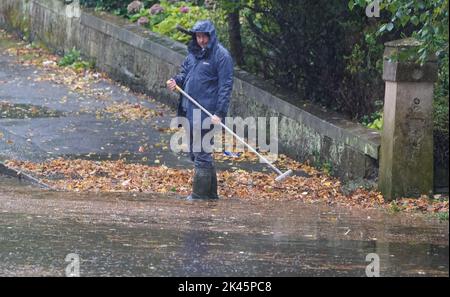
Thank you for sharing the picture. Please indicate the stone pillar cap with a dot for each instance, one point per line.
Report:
(407, 70)
(405, 44)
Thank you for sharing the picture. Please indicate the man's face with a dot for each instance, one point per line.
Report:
(202, 39)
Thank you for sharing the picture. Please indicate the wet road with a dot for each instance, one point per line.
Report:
(124, 234)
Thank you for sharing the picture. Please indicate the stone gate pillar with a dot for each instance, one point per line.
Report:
(406, 156)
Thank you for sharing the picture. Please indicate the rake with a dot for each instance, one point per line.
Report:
(280, 176)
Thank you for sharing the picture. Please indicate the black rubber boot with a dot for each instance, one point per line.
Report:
(202, 184)
(214, 194)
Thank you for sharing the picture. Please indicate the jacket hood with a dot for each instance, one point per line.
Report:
(204, 26)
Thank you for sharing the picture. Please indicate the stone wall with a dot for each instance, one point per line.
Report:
(145, 61)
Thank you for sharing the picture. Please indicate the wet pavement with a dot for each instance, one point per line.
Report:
(40, 120)
(124, 234)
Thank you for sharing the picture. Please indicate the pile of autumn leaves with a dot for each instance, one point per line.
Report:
(87, 175)
(119, 176)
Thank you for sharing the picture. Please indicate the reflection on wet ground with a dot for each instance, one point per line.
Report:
(124, 234)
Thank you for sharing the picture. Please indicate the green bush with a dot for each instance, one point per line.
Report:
(374, 120)
(73, 59)
(164, 22)
(142, 13)
(443, 216)
(70, 58)
(175, 16)
(376, 124)
(441, 116)
(183, 13)
(117, 7)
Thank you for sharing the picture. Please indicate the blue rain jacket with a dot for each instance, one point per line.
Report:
(206, 75)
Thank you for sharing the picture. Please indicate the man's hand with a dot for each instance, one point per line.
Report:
(216, 120)
(171, 84)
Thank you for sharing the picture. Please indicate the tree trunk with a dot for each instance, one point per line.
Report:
(234, 33)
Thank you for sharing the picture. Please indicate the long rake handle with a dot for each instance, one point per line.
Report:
(229, 130)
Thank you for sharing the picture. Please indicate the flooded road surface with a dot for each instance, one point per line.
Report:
(125, 234)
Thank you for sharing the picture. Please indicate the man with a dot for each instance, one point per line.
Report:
(207, 76)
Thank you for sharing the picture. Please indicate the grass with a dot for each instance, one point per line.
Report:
(394, 208)
(73, 59)
(443, 216)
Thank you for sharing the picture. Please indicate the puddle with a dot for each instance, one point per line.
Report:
(25, 111)
(115, 250)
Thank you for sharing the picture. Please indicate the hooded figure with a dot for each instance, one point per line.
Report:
(207, 76)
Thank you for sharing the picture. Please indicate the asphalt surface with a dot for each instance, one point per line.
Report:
(124, 234)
